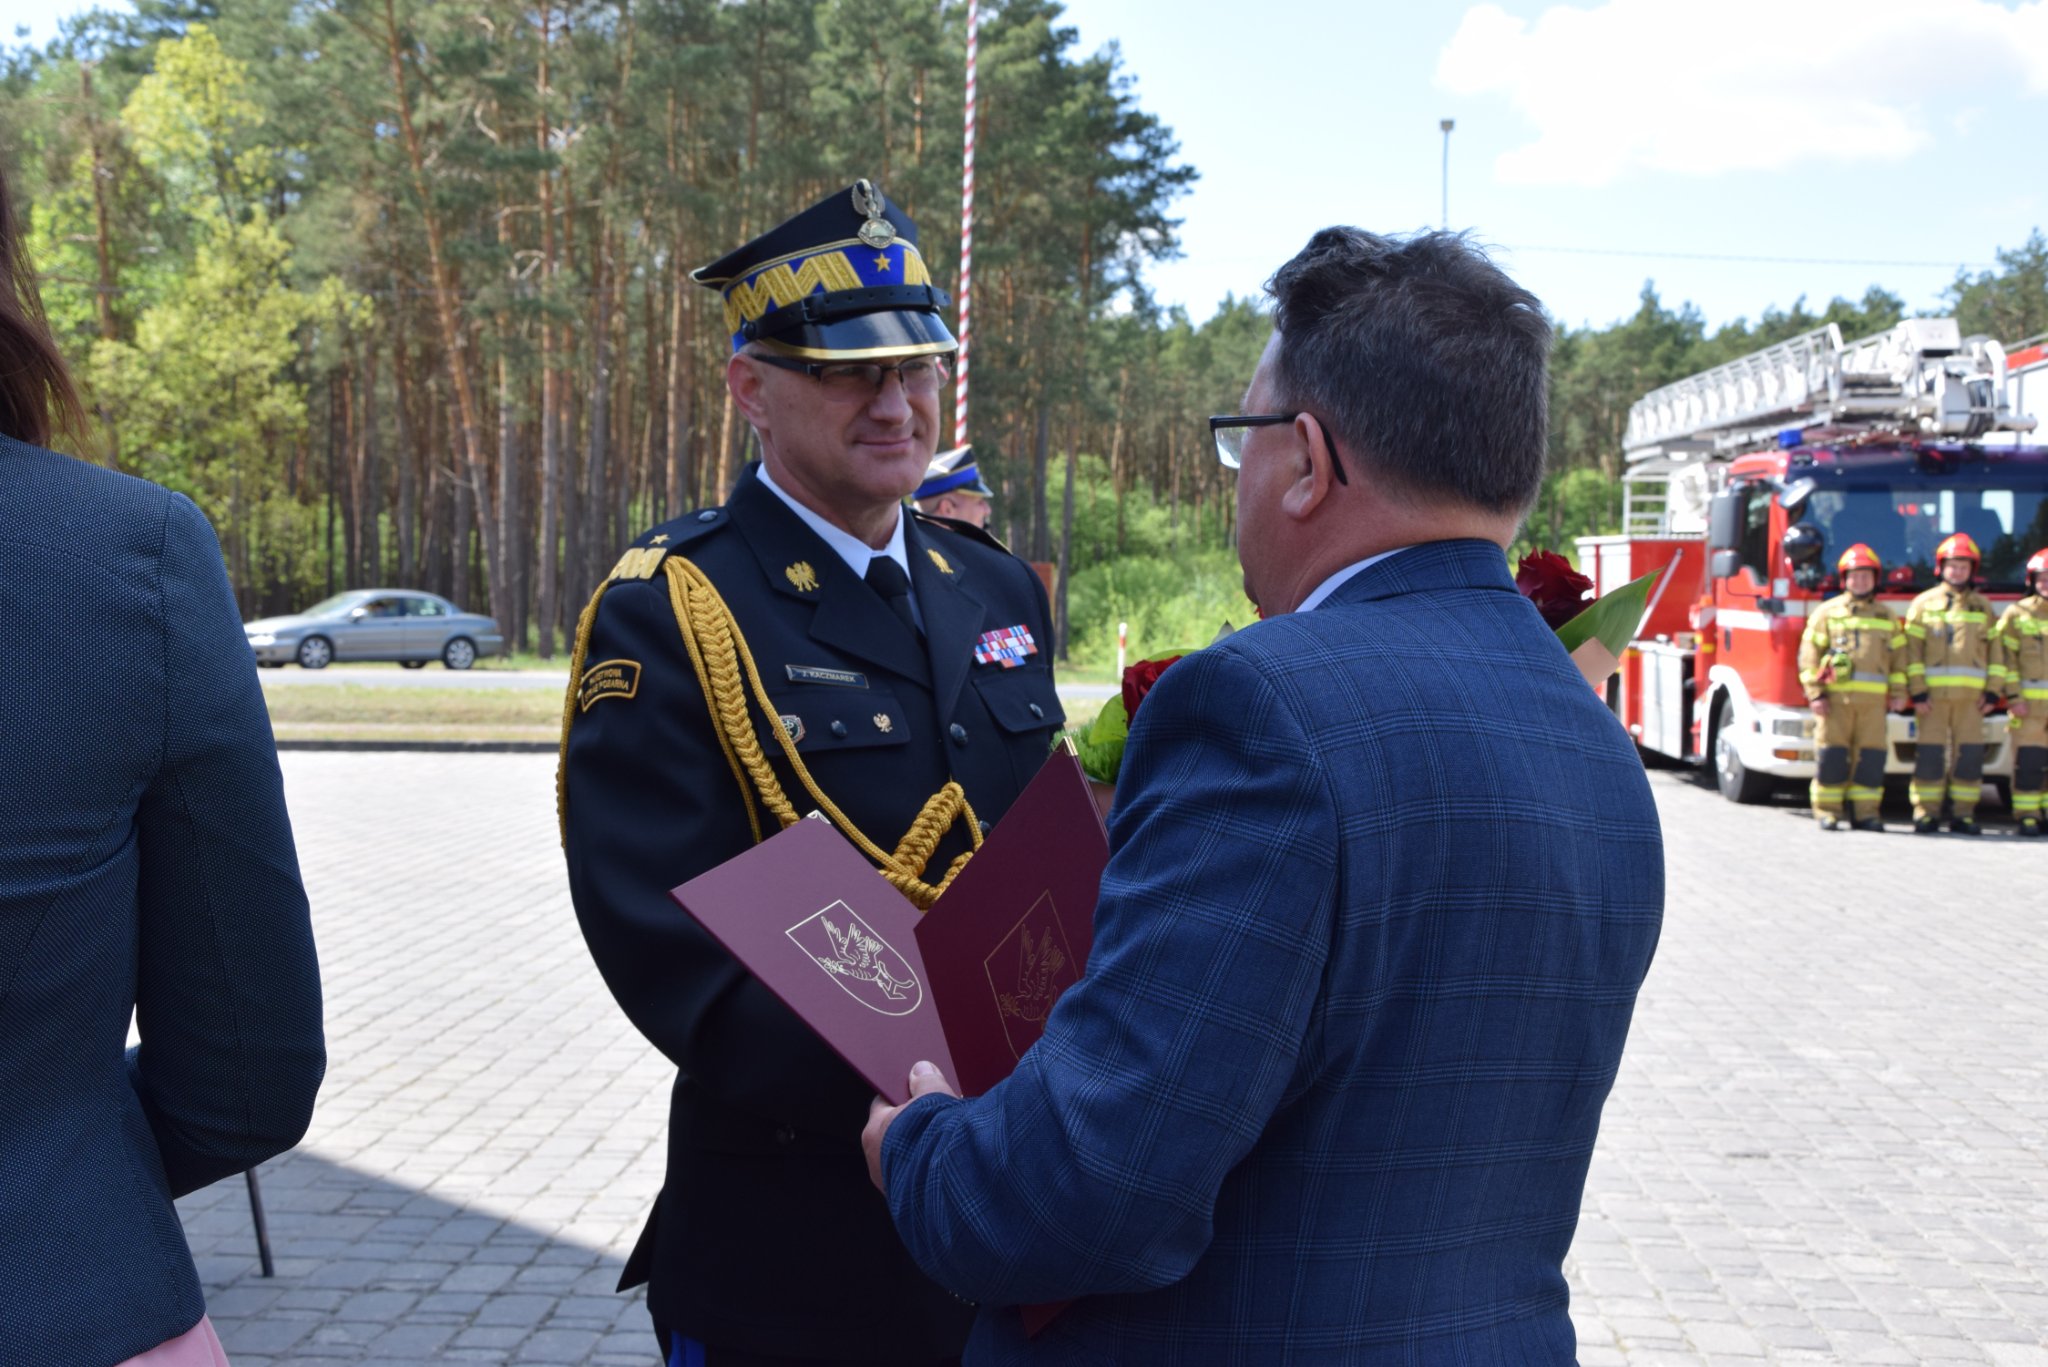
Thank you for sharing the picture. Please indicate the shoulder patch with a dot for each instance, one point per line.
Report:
(959, 528)
(607, 679)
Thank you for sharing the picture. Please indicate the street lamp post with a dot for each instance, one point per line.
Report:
(1447, 125)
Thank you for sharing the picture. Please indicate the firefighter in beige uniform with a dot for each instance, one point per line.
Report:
(1852, 659)
(1948, 669)
(2020, 652)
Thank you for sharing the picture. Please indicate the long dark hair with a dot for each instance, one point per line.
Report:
(37, 398)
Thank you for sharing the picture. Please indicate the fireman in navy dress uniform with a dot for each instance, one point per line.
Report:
(953, 488)
(905, 668)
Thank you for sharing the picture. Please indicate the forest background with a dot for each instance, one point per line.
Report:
(397, 291)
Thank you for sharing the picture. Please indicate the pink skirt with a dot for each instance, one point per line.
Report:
(198, 1346)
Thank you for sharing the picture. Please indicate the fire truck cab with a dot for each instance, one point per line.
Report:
(1744, 485)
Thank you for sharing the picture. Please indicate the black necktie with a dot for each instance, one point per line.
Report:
(887, 578)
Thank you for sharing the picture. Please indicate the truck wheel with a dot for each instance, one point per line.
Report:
(1731, 775)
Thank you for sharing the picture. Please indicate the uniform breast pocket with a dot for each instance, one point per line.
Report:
(821, 720)
(1020, 700)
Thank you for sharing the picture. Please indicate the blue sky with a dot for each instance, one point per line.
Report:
(1598, 144)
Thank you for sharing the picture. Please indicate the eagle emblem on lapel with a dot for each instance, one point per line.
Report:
(939, 560)
(802, 576)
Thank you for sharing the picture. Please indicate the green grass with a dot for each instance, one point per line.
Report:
(351, 711)
(355, 705)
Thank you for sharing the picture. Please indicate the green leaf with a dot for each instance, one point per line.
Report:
(1613, 618)
(1101, 742)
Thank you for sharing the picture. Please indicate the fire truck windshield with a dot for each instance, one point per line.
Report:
(1905, 518)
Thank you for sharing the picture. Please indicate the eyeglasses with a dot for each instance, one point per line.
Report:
(921, 376)
(1230, 432)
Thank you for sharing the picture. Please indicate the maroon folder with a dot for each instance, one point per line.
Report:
(968, 985)
(810, 917)
(1014, 930)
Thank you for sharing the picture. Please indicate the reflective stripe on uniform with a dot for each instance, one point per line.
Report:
(1858, 686)
(1865, 794)
(1955, 676)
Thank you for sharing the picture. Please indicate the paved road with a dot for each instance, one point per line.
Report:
(1829, 1142)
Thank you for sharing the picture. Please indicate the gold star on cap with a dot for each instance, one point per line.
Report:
(803, 576)
(939, 560)
(661, 540)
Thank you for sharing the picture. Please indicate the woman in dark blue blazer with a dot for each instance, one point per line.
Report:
(146, 866)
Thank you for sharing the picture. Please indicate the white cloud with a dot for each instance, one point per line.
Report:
(1707, 87)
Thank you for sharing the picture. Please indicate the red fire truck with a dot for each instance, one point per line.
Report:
(1744, 483)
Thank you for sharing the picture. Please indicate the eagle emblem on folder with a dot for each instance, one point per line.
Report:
(1028, 971)
(866, 967)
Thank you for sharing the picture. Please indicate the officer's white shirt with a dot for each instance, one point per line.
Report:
(850, 548)
(1338, 580)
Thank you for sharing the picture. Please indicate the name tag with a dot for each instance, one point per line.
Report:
(816, 674)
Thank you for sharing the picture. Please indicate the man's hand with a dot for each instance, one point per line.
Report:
(925, 1079)
(1821, 706)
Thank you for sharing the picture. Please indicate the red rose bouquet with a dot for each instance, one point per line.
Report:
(1548, 580)
(1595, 631)
(1100, 744)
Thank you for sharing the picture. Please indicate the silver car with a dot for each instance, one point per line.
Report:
(376, 624)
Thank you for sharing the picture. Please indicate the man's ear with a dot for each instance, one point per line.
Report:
(1315, 471)
(746, 378)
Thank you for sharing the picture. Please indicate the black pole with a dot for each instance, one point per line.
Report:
(263, 1257)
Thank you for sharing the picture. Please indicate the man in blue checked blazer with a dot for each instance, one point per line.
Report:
(1385, 879)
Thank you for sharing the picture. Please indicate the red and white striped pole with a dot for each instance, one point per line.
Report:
(966, 240)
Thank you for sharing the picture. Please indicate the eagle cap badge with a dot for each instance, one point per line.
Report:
(878, 232)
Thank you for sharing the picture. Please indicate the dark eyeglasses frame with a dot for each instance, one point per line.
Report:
(1220, 422)
(816, 369)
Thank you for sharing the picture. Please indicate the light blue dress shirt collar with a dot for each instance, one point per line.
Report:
(1341, 577)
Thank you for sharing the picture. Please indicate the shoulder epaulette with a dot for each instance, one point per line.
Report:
(643, 558)
(966, 529)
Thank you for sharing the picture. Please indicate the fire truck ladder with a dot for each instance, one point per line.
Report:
(1920, 378)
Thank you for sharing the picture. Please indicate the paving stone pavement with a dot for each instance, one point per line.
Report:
(1829, 1141)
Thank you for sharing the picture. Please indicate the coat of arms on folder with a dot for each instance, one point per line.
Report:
(969, 984)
